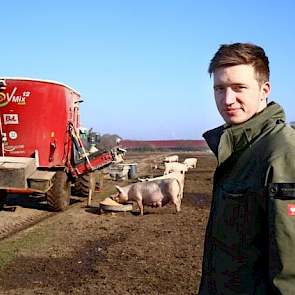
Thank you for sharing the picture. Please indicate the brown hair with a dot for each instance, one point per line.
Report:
(242, 53)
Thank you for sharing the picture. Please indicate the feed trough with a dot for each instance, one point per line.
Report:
(119, 171)
(109, 204)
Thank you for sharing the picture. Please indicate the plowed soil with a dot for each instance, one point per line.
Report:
(83, 252)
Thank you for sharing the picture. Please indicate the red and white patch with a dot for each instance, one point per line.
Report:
(291, 209)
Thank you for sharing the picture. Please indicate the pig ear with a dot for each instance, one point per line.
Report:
(119, 189)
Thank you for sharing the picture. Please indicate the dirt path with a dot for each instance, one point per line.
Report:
(81, 252)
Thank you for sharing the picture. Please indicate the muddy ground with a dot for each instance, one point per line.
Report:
(82, 252)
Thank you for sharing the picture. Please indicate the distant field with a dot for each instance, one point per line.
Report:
(149, 145)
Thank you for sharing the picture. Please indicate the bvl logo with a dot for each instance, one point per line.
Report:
(10, 119)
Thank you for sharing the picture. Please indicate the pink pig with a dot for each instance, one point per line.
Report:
(156, 193)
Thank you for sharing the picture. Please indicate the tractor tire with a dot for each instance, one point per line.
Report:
(58, 197)
(84, 183)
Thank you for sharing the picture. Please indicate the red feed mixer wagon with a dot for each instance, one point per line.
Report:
(41, 150)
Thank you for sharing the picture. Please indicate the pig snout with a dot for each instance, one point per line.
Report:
(120, 198)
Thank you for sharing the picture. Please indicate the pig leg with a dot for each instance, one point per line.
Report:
(177, 205)
(177, 202)
(140, 205)
(175, 195)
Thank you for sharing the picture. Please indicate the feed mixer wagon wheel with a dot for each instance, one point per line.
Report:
(58, 197)
(85, 183)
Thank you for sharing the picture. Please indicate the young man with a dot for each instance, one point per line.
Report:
(250, 237)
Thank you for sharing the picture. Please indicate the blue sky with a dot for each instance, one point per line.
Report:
(141, 65)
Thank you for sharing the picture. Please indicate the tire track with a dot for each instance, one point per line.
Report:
(14, 221)
(9, 226)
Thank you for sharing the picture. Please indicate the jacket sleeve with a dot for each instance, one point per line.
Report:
(281, 223)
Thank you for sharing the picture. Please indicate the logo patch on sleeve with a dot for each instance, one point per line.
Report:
(291, 209)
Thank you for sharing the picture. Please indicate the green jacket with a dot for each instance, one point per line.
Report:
(250, 237)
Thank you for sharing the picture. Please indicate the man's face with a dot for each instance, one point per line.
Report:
(238, 95)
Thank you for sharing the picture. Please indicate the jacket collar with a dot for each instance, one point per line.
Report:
(225, 139)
